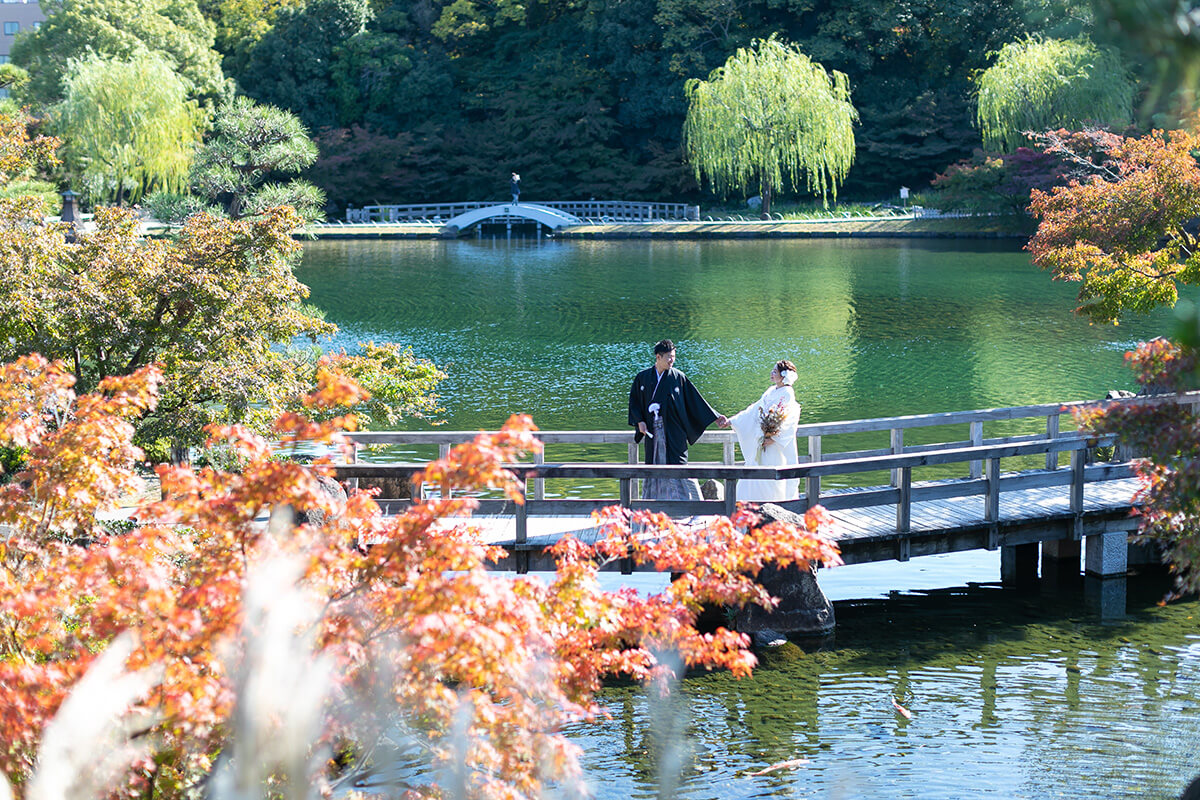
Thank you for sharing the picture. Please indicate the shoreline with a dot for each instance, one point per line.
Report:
(859, 227)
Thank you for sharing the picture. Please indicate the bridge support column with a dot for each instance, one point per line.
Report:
(1060, 558)
(1019, 564)
(1106, 554)
(1105, 597)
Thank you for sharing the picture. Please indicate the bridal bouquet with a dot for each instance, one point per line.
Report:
(770, 420)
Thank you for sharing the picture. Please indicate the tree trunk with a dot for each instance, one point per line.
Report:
(767, 194)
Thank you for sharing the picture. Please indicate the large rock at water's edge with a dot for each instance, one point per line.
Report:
(712, 490)
(335, 495)
(803, 608)
(399, 487)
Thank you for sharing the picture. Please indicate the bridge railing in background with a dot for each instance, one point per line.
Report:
(613, 210)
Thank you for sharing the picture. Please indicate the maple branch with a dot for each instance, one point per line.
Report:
(135, 360)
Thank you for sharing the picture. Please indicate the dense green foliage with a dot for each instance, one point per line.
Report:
(992, 182)
(119, 29)
(769, 119)
(131, 128)
(441, 101)
(1037, 84)
(412, 102)
(249, 144)
(216, 310)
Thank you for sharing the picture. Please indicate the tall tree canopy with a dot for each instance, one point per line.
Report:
(290, 66)
(129, 126)
(584, 99)
(120, 29)
(768, 119)
(1039, 84)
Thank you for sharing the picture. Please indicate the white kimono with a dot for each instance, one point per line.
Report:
(779, 453)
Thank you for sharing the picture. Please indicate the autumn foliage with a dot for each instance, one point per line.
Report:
(1167, 435)
(217, 306)
(416, 634)
(1124, 231)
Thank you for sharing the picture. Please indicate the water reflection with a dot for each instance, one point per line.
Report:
(1012, 695)
(877, 327)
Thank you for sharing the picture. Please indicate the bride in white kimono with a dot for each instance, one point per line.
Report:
(773, 451)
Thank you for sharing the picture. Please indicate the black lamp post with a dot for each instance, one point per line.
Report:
(70, 213)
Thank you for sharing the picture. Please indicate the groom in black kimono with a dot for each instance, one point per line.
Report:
(664, 390)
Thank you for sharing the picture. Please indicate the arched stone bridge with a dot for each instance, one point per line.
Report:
(550, 217)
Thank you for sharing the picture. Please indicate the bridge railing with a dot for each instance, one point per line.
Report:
(901, 495)
(613, 210)
(989, 488)
(1046, 417)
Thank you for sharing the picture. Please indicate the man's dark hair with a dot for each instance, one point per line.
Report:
(665, 346)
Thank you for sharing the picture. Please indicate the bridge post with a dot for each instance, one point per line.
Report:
(539, 484)
(812, 487)
(897, 449)
(904, 506)
(1019, 564)
(1052, 433)
(444, 453)
(976, 468)
(352, 458)
(991, 503)
(522, 534)
(1106, 554)
(633, 459)
(1060, 559)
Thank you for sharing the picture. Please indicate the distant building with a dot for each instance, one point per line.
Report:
(16, 16)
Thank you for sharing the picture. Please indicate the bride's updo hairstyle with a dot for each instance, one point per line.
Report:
(785, 364)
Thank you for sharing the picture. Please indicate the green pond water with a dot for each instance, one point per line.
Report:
(1013, 694)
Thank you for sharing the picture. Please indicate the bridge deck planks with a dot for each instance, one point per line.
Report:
(860, 527)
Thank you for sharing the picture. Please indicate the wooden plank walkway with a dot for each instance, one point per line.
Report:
(869, 534)
(982, 508)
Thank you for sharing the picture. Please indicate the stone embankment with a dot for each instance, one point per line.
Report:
(854, 227)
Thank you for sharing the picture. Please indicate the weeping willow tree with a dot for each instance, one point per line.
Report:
(768, 119)
(1037, 84)
(128, 126)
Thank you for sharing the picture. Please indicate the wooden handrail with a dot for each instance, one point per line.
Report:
(1044, 410)
(734, 472)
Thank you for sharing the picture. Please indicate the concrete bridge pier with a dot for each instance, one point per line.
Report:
(1060, 561)
(1106, 561)
(1106, 555)
(1105, 597)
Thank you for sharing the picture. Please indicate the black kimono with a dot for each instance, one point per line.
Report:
(685, 414)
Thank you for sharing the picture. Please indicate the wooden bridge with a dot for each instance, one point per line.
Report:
(1060, 497)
